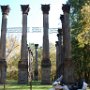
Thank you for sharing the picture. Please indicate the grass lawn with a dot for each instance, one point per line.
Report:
(12, 85)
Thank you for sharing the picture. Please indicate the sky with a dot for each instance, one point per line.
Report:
(35, 18)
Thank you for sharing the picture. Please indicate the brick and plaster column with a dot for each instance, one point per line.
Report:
(60, 43)
(60, 39)
(57, 58)
(68, 64)
(23, 63)
(36, 62)
(46, 63)
(3, 65)
(63, 36)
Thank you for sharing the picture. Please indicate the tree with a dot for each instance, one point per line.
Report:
(80, 24)
(12, 57)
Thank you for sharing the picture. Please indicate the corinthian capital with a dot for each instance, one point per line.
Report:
(45, 9)
(25, 9)
(62, 18)
(66, 8)
(5, 9)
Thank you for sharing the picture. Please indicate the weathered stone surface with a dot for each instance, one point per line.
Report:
(62, 18)
(57, 57)
(25, 9)
(23, 63)
(23, 72)
(66, 8)
(60, 53)
(68, 71)
(3, 66)
(46, 71)
(5, 9)
(68, 66)
(45, 9)
(46, 75)
(36, 46)
(36, 62)
(45, 64)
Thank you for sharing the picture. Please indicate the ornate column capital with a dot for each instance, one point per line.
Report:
(66, 8)
(25, 9)
(56, 43)
(5, 9)
(58, 35)
(60, 31)
(45, 9)
(36, 46)
(62, 17)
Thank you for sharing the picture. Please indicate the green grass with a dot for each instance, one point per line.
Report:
(12, 85)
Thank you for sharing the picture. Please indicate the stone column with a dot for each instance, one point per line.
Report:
(23, 63)
(57, 58)
(46, 63)
(5, 11)
(60, 39)
(36, 62)
(68, 64)
(66, 9)
(63, 36)
(60, 43)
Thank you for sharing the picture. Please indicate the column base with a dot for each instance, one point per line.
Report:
(23, 72)
(59, 71)
(46, 71)
(3, 66)
(68, 73)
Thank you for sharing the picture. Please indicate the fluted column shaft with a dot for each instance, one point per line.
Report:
(5, 11)
(60, 51)
(57, 58)
(45, 36)
(24, 34)
(46, 64)
(36, 62)
(63, 36)
(23, 63)
(68, 73)
(60, 43)
(67, 40)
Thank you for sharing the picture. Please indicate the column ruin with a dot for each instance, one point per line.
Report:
(23, 63)
(3, 64)
(68, 73)
(57, 58)
(46, 63)
(60, 39)
(36, 62)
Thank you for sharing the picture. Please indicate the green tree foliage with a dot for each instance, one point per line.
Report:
(80, 34)
(84, 35)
